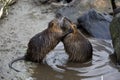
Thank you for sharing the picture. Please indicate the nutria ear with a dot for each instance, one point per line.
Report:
(51, 24)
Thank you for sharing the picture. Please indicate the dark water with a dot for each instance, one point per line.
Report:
(100, 68)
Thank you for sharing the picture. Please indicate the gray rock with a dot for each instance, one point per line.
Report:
(70, 12)
(115, 35)
(77, 7)
(96, 24)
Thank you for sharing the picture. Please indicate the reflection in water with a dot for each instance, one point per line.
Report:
(100, 68)
(44, 72)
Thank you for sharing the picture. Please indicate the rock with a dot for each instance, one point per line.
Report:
(96, 24)
(43, 1)
(115, 35)
(73, 10)
(77, 7)
(102, 5)
(71, 13)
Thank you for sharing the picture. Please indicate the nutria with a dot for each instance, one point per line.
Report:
(77, 46)
(43, 42)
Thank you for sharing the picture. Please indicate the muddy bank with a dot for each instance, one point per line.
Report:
(25, 20)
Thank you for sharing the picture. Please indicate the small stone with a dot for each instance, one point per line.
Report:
(2, 77)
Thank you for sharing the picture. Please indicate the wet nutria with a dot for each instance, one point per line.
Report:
(77, 46)
(43, 42)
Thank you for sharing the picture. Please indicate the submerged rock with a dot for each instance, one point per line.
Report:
(115, 34)
(96, 24)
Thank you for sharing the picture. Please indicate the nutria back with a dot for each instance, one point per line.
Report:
(76, 44)
(40, 45)
(78, 47)
(45, 41)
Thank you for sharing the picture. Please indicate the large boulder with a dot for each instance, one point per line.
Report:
(77, 7)
(96, 24)
(115, 35)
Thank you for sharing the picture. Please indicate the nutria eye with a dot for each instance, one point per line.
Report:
(74, 26)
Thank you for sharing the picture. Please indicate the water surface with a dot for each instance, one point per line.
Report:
(100, 68)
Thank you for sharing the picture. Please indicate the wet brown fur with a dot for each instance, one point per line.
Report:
(44, 42)
(77, 45)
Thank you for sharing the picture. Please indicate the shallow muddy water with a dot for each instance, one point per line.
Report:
(100, 68)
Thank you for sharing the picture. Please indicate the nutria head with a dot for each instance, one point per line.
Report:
(69, 25)
(56, 24)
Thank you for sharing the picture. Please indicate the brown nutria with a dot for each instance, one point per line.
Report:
(43, 42)
(77, 46)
